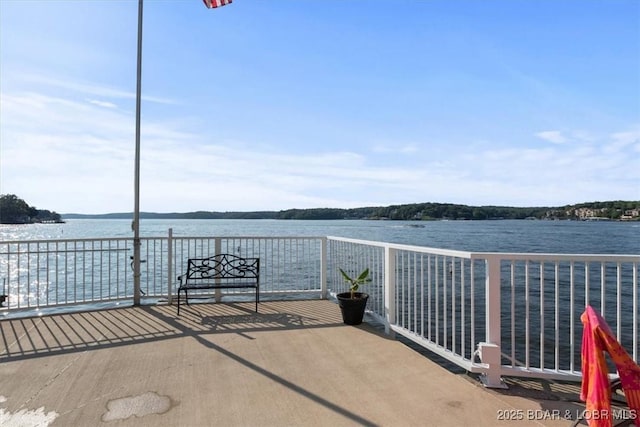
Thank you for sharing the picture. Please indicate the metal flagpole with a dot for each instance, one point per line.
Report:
(136, 191)
(135, 225)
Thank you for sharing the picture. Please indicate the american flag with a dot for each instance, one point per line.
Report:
(215, 3)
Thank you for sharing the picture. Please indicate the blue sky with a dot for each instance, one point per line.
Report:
(269, 105)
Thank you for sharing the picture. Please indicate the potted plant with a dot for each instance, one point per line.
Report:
(353, 303)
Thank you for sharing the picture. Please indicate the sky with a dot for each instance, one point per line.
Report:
(280, 104)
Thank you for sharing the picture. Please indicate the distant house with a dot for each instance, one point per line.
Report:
(630, 214)
(588, 213)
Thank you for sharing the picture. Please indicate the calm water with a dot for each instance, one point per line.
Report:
(570, 237)
(486, 236)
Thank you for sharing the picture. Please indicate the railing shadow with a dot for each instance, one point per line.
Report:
(33, 337)
(38, 337)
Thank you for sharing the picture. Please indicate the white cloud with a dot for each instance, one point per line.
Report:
(66, 155)
(87, 88)
(621, 140)
(583, 136)
(104, 104)
(554, 136)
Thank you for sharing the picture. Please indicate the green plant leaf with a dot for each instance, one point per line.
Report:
(364, 276)
(345, 275)
(354, 283)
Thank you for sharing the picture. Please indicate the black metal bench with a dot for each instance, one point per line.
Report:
(222, 271)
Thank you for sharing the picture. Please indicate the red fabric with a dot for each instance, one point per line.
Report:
(211, 4)
(597, 339)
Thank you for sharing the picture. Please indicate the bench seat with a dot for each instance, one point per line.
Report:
(222, 271)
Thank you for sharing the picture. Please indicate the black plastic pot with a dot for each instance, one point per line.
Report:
(352, 309)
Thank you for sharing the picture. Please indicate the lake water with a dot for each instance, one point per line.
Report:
(592, 237)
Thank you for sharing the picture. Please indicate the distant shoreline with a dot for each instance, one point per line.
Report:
(593, 211)
(104, 216)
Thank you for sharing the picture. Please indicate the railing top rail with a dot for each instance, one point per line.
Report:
(84, 239)
(516, 256)
(498, 255)
(402, 247)
(105, 239)
(519, 256)
(174, 237)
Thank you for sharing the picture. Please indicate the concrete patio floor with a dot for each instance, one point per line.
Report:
(292, 364)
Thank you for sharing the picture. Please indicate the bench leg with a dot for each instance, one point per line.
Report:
(186, 298)
(257, 298)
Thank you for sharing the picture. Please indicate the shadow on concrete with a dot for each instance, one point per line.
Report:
(25, 338)
(37, 337)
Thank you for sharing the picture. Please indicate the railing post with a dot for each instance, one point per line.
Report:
(323, 268)
(490, 351)
(218, 251)
(389, 288)
(170, 266)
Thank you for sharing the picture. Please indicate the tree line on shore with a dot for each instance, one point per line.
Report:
(14, 210)
(612, 210)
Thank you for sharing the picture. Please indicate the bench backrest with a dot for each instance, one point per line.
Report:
(223, 266)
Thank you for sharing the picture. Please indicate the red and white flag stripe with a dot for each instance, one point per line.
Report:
(215, 3)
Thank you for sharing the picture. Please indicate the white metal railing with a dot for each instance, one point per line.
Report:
(50, 273)
(288, 265)
(542, 297)
(41, 273)
(490, 313)
(495, 313)
(424, 294)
